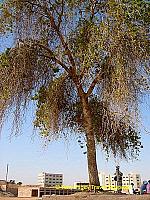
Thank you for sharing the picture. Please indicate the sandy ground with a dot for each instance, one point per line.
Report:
(86, 197)
(16, 198)
(100, 197)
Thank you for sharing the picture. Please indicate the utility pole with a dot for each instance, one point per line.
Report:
(7, 169)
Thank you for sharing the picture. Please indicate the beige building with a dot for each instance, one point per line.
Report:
(27, 191)
(107, 181)
(132, 178)
(47, 179)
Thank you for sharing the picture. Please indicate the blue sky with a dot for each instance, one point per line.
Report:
(27, 157)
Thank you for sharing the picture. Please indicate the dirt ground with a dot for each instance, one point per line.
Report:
(100, 197)
(86, 197)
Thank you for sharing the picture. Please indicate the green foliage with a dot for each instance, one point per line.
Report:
(53, 103)
(4, 60)
(19, 183)
(113, 134)
(4, 88)
(69, 50)
(6, 17)
(121, 139)
(138, 10)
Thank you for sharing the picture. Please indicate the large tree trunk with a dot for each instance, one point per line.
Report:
(91, 148)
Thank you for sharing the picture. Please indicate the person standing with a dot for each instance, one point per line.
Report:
(143, 187)
(148, 187)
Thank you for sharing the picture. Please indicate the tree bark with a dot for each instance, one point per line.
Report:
(87, 121)
(91, 148)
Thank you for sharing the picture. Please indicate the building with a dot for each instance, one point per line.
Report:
(107, 181)
(81, 185)
(25, 191)
(132, 178)
(48, 180)
(29, 191)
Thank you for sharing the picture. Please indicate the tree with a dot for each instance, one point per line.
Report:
(12, 181)
(86, 65)
(19, 183)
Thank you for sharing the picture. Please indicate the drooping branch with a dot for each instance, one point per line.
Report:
(61, 14)
(53, 57)
(94, 2)
(94, 82)
(84, 47)
(99, 76)
(57, 30)
(56, 27)
(33, 4)
(61, 37)
(71, 71)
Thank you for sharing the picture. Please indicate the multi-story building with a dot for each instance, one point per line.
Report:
(132, 178)
(47, 179)
(108, 182)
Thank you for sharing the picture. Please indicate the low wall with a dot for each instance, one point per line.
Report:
(13, 188)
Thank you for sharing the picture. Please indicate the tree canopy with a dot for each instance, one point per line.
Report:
(85, 63)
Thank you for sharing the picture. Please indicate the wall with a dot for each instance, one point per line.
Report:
(26, 191)
(13, 188)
